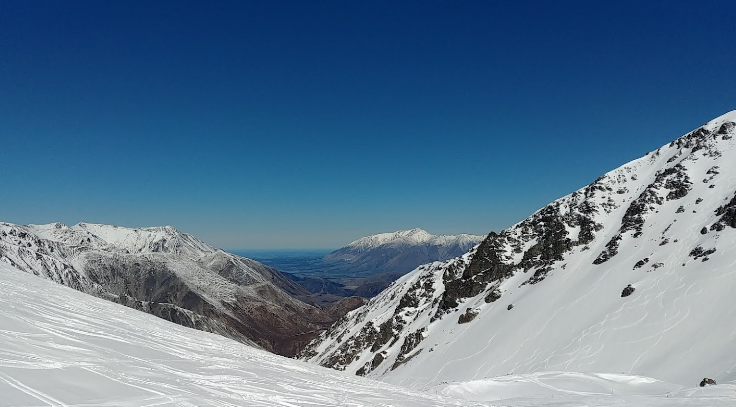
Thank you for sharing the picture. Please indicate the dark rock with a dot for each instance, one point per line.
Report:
(703, 231)
(628, 290)
(698, 252)
(727, 213)
(485, 267)
(410, 343)
(641, 263)
(510, 307)
(468, 316)
(611, 250)
(726, 128)
(493, 295)
(386, 332)
(538, 276)
(410, 299)
(707, 382)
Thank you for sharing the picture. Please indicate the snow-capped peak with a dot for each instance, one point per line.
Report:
(161, 239)
(409, 237)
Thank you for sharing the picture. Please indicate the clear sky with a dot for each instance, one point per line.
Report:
(308, 124)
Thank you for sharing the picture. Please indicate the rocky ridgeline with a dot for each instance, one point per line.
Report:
(619, 210)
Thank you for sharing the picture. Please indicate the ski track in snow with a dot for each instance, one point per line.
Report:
(59, 347)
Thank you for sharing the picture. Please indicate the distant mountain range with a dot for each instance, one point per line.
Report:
(633, 274)
(399, 252)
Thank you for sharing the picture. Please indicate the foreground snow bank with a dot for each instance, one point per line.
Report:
(61, 347)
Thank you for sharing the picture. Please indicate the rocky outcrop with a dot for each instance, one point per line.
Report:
(707, 382)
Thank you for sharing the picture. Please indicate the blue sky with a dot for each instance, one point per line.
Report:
(301, 124)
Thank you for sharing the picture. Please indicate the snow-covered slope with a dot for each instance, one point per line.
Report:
(60, 347)
(169, 274)
(633, 274)
(399, 252)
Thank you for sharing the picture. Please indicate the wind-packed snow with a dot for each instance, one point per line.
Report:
(60, 347)
(663, 224)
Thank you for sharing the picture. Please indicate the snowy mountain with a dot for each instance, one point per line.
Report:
(61, 347)
(399, 252)
(171, 275)
(630, 276)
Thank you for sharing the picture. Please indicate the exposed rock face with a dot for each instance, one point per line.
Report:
(171, 275)
(468, 316)
(569, 258)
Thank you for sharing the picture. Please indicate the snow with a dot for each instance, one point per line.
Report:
(134, 240)
(572, 335)
(412, 237)
(61, 347)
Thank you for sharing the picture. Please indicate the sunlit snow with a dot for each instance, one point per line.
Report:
(61, 347)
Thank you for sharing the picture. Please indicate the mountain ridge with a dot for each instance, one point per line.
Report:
(169, 274)
(602, 279)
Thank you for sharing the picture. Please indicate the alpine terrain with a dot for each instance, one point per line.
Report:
(365, 267)
(399, 252)
(61, 347)
(627, 282)
(171, 275)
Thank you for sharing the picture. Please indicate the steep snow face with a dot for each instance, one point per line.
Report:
(399, 252)
(632, 274)
(63, 348)
(169, 274)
